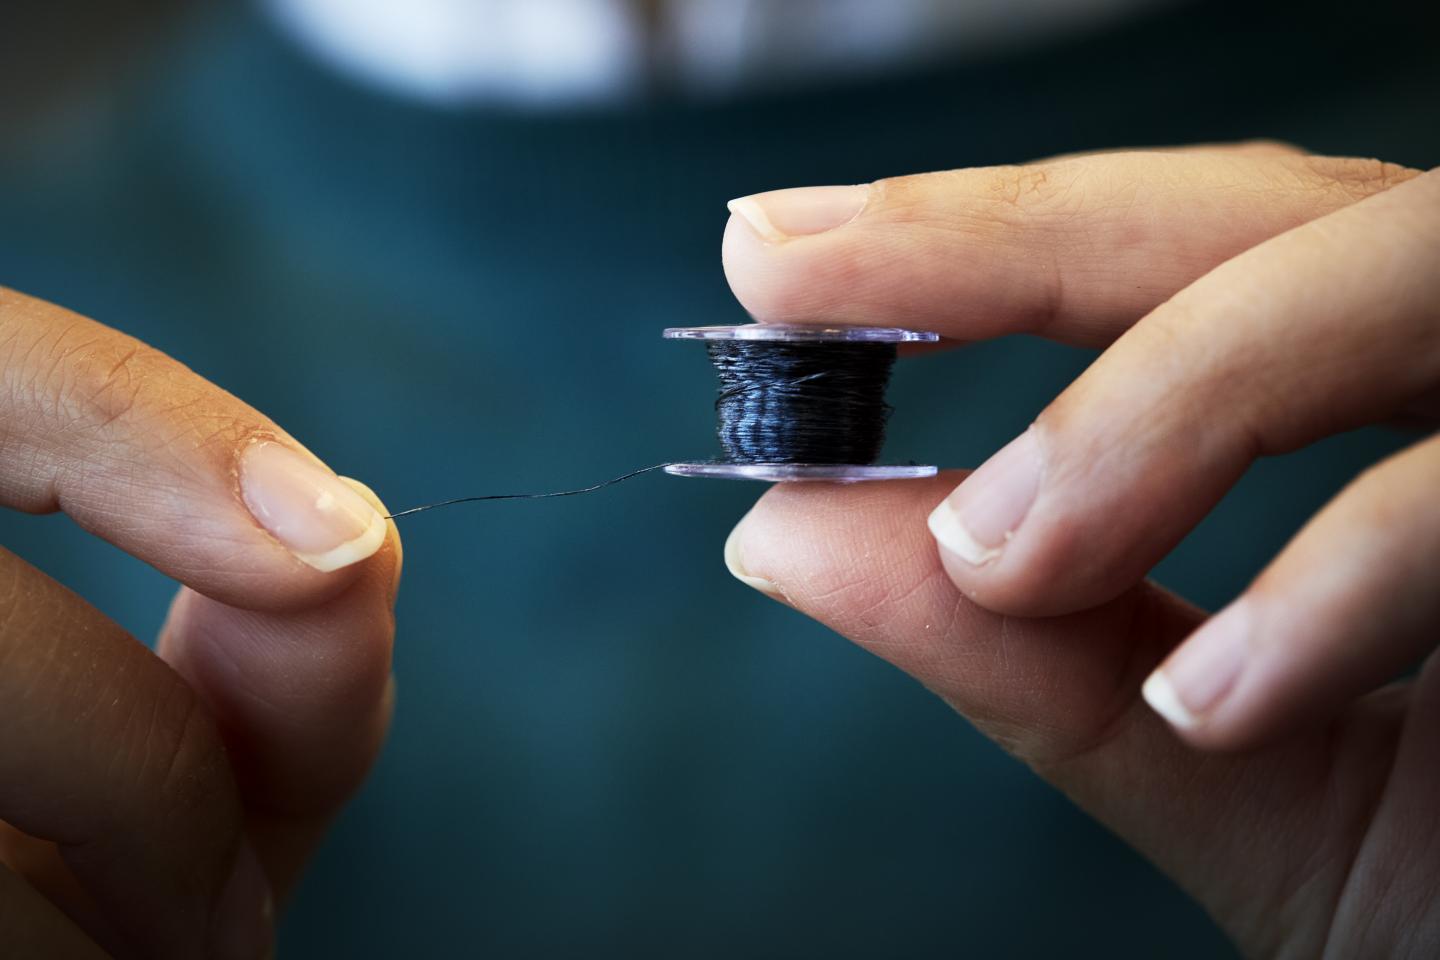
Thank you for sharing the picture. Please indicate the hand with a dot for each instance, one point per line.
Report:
(1251, 300)
(155, 805)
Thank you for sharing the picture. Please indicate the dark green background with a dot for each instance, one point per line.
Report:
(605, 745)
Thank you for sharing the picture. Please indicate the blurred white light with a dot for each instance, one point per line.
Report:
(458, 50)
(565, 51)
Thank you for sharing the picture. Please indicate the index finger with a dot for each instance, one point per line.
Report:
(145, 453)
(1075, 249)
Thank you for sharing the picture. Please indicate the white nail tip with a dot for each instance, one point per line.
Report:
(951, 534)
(351, 551)
(1160, 694)
(754, 214)
(759, 583)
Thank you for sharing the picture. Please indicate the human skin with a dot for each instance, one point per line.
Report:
(158, 804)
(1249, 300)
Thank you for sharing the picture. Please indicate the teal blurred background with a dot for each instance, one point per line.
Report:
(603, 743)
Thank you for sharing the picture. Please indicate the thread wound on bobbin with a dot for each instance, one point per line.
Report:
(801, 402)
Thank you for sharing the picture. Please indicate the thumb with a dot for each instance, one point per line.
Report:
(1063, 694)
(301, 697)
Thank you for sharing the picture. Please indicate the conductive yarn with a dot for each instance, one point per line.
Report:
(780, 402)
(801, 402)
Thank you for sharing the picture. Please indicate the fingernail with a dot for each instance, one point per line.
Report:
(781, 214)
(979, 518)
(1197, 677)
(734, 562)
(321, 519)
(245, 912)
(384, 511)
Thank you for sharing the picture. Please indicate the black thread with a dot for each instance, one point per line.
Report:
(806, 402)
(779, 402)
(529, 496)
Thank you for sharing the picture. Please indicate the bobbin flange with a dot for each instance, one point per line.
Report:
(792, 472)
(801, 333)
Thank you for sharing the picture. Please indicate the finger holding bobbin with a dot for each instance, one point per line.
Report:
(1327, 327)
(1074, 249)
(1324, 328)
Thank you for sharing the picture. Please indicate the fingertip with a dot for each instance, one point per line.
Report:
(350, 552)
(814, 275)
(735, 562)
(392, 542)
(753, 215)
(1206, 689)
(1160, 694)
(364, 490)
(781, 545)
(994, 547)
(324, 522)
(826, 548)
(955, 540)
(779, 216)
(755, 279)
(272, 529)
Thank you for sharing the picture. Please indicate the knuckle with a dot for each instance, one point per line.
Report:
(1023, 186)
(65, 368)
(1355, 176)
(102, 380)
(911, 197)
(105, 384)
(1003, 195)
(1270, 145)
(86, 381)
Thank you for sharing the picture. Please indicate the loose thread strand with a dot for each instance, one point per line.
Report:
(530, 496)
(811, 404)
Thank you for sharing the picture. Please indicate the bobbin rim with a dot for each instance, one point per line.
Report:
(800, 333)
(796, 472)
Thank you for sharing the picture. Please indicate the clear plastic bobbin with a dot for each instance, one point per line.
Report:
(786, 472)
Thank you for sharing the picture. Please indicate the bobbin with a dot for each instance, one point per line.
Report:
(787, 472)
